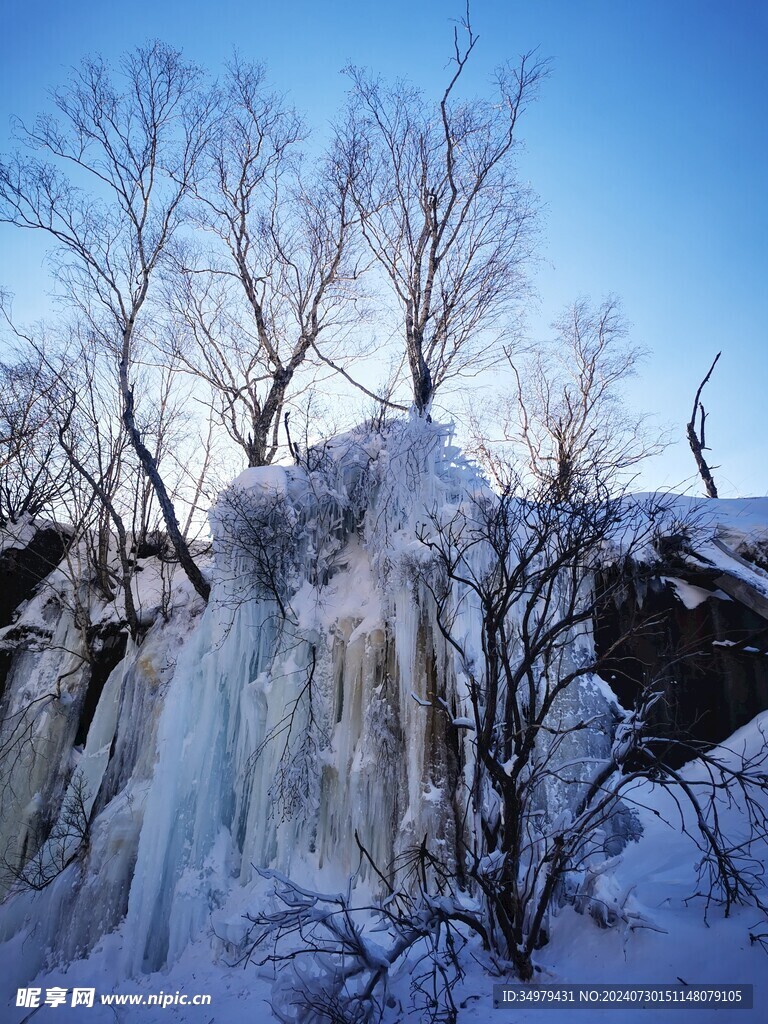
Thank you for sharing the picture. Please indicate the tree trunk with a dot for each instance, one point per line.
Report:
(422, 378)
(149, 466)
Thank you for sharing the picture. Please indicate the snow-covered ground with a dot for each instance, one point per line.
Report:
(656, 877)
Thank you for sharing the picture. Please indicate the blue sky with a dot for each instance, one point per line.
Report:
(648, 147)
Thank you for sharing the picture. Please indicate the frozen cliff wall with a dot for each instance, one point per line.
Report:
(290, 723)
(313, 706)
(300, 715)
(53, 664)
(77, 748)
(299, 712)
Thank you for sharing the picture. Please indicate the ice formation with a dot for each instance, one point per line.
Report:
(305, 708)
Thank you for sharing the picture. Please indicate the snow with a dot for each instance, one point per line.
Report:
(207, 764)
(18, 535)
(738, 522)
(691, 596)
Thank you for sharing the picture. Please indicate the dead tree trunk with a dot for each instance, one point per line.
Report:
(697, 441)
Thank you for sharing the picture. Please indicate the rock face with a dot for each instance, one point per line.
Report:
(28, 555)
(24, 566)
(708, 649)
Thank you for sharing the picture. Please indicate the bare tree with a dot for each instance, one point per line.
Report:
(441, 209)
(53, 845)
(282, 283)
(89, 434)
(32, 478)
(525, 561)
(697, 440)
(136, 142)
(99, 495)
(567, 416)
(351, 976)
(544, 806)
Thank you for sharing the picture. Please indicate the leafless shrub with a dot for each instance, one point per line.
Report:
(53, 846)
(332, 969)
